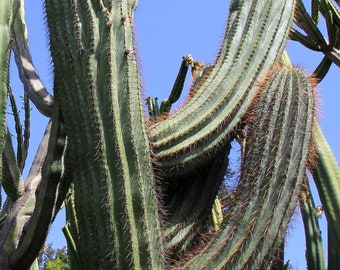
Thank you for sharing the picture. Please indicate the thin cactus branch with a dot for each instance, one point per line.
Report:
(314, 39)
(11, 178)
(7, 11)
(314, 249)
(326, 174)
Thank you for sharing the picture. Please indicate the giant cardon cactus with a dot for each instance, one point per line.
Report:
(147, 191)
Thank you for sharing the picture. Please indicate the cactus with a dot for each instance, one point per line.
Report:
(144, 192)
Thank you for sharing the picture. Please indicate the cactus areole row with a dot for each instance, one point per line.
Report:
(144, 191)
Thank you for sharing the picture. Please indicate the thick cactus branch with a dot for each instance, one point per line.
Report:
(250, 46)
(274, 167)
(99, 90)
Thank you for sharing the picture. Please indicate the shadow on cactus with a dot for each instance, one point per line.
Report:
(147, 192)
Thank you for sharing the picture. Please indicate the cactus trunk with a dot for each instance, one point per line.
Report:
(115, 200)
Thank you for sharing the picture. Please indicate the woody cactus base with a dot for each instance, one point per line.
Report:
(145, 191)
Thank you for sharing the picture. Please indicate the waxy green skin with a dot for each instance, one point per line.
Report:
(139, 192)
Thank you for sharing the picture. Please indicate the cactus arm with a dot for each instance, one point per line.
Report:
(7, 11)
(27, 134)
(175, 93)
(28, 74)
(179, 82)
(322, 69)
(326, 174)
(314, 249)
(99, 90)
(190, 201)
(250, 46)
(153, 107)
(314, 39)
(275, 166)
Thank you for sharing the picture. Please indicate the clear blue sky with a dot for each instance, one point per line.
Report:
(166, 31)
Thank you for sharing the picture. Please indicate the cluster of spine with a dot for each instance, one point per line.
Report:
(97, 83)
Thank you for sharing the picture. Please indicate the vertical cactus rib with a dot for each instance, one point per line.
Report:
(326, 174)
(275, 165)
(250, 47)
(114, 188)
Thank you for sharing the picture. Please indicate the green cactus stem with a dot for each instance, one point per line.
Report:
(98, 88)
(12, 181)
(314, 248)
(326, 174)
(7, 12)
(265, 200)
(220, 101)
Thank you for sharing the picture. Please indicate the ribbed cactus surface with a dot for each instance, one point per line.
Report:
(146, 191)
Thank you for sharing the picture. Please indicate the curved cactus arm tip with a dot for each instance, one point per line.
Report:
(28, 74)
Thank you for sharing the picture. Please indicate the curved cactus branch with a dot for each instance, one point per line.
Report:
(275, 165)
(191, 136)
(27, 72)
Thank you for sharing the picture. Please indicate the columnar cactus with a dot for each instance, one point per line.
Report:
(142, 192)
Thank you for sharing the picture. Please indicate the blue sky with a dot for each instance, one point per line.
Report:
(166, 31)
